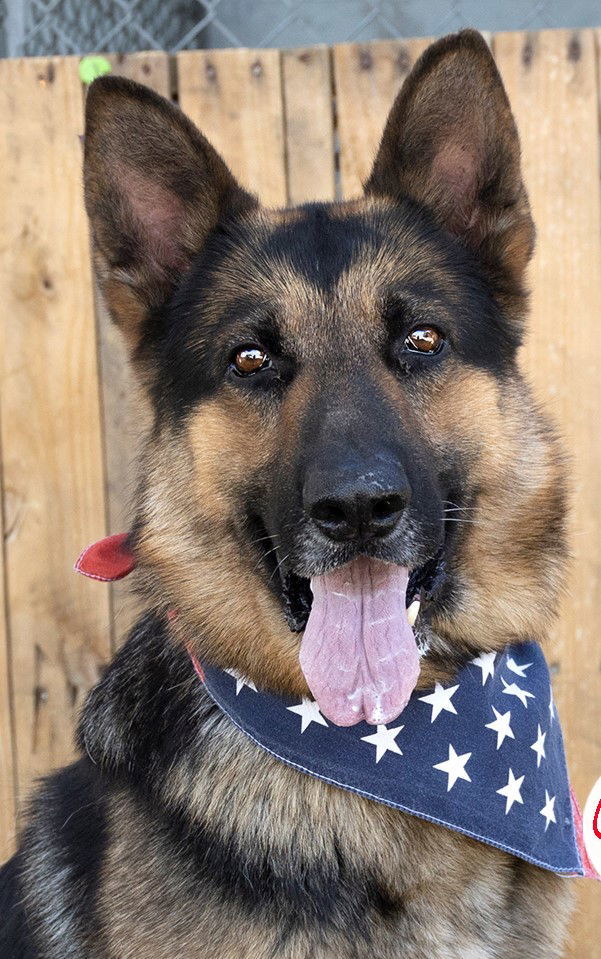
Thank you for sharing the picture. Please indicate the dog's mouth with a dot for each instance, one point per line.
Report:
(425, 581)
(358, 653)
(424, 585)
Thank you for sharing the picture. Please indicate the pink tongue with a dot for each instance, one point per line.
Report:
(358, 651)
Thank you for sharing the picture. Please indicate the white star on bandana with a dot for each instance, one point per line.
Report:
(241, 680)
(548, 810)
(454, 767)
(512, 791)
(384, 741)
(309, 712)
(518, 670)
(539, 746)
(485, 662)
(501, 726)
(440, 699)
(511, 689)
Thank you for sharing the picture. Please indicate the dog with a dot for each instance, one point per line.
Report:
(334, 387)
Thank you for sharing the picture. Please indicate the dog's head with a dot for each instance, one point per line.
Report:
(338, 406)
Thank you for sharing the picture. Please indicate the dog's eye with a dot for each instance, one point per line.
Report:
(424, 339)
(250, 359)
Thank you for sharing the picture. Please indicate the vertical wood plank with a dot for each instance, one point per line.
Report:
(7, 769)
(126, 416)
(151, 68)
(235, 98)
(50, 412)
(551, 82)
(307, 80)
(367, 79)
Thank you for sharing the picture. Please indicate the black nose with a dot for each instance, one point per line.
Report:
(357, 510)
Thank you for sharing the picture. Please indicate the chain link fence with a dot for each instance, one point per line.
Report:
(44, 27)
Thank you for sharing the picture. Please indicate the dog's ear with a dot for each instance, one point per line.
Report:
(154, 190)
(451, 144)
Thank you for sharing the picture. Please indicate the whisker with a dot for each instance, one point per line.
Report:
(277, 567)
(264, 556)
(448, 502)
(261, 539)
(269, 552)
(455, 519)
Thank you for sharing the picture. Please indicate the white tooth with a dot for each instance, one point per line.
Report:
(413, 612)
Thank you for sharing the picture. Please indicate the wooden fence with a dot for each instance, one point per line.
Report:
(67, 420)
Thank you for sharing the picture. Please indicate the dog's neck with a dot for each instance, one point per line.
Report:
(151, 724)
(152, 729)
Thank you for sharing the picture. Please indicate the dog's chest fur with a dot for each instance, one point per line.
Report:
(209, 848)
(321, 875)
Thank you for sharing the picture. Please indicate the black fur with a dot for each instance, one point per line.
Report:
(15, 939)
(327, 896)
(143, 713)
(67, 829)
(151, 708)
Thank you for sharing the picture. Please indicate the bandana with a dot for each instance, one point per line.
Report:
(483, 755)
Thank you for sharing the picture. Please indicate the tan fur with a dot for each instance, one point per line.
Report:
(520, 472)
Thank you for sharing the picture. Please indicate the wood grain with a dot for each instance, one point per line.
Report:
(50, 413)
(7, 767)
(235, 98)
(125, 410)
(367, 79)
(152, 68)
(307, 82)
(551, 82)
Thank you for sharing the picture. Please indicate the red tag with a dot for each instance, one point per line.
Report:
(107, 560)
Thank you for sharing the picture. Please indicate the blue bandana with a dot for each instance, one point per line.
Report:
(483, 755)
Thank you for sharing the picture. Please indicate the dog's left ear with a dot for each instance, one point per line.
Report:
(451, 145)
(155, 190)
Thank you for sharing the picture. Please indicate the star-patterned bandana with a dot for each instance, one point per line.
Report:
(483, 755)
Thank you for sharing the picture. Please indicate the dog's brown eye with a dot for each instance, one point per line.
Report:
(250, 359)
(424, 339)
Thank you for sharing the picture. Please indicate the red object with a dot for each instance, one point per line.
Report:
(107, 560)
(197, 667)
(589, 870)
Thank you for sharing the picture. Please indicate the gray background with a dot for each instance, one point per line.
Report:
(41, 27)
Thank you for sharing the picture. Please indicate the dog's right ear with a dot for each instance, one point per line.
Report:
(155, 189)
(451, 145)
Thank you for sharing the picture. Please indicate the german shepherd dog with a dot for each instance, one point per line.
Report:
(331, 385)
